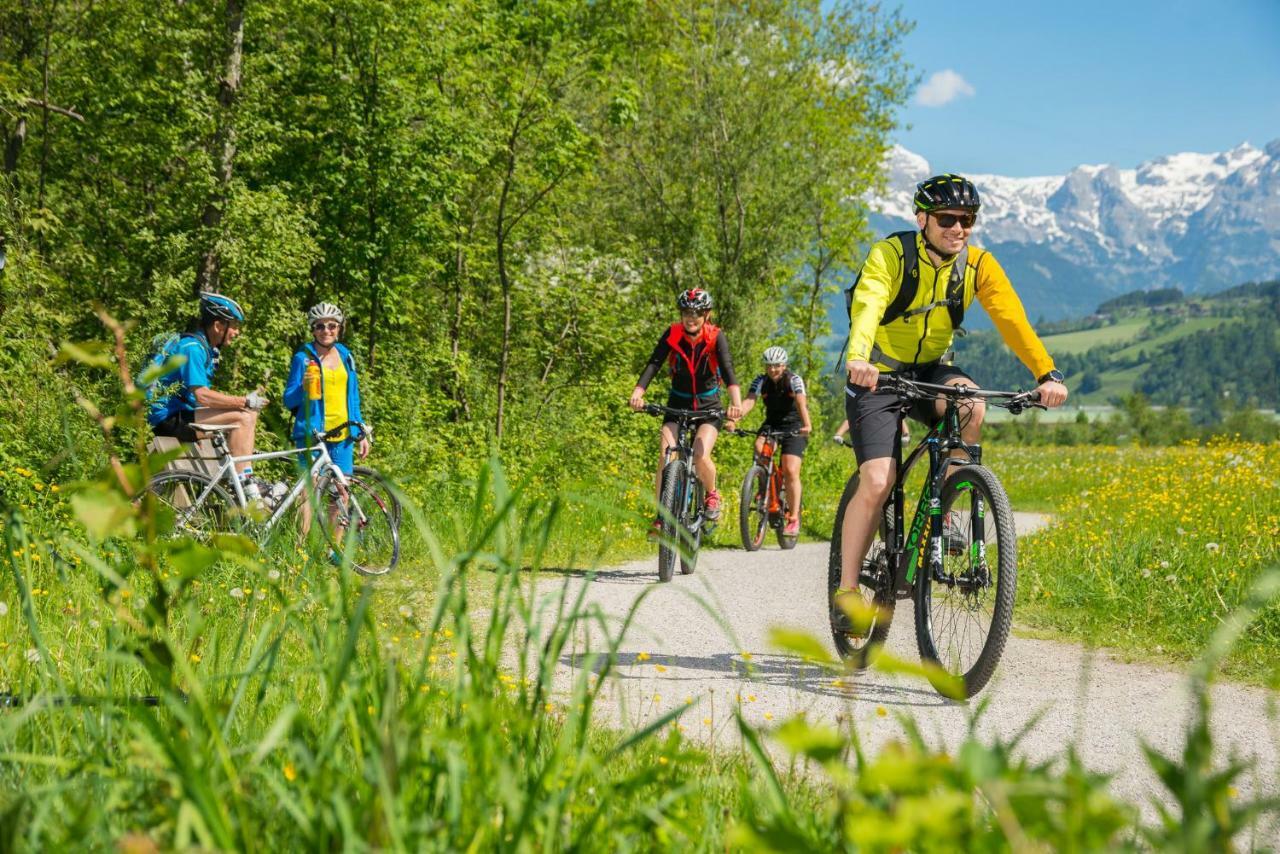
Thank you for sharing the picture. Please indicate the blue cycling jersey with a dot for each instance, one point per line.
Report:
(174, 392)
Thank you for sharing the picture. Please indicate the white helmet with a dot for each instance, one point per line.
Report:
(324, 311)
(775, 356)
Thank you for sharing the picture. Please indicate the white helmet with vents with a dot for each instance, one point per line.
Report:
(775, 356)
(325, 311)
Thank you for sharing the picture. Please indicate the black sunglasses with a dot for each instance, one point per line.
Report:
(947, 220)
(316, 327)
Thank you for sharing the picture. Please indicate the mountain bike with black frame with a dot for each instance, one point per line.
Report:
(684, 522)
(958, 560)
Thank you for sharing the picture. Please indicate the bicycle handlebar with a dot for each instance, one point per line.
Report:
(764, 431)
(686, 414)
(1014, 401)
(329, 435)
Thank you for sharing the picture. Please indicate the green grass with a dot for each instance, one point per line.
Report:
(300, 707)
(1151, 548)
(1125, 329)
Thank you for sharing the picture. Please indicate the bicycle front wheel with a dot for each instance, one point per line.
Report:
(965, 611)
(753, 516)
(358, 524)
(379, 484)
(673, 479)
(200, 507)
(785, 540)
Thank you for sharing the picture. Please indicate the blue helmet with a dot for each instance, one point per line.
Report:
(217, 307)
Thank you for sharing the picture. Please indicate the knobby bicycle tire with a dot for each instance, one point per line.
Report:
(672, 482)
(861, 652)
(785, 540)
(963, 622)
(691, 541)
(753, 516)
(178, 489)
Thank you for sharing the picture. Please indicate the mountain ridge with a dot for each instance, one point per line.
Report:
(1199, 221)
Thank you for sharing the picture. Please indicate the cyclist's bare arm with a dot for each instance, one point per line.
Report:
(735, 403)
(208, 398)
(802, 406)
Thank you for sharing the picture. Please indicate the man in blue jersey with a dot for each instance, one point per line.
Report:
(184, 395)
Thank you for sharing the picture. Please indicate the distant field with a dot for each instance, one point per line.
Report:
(1078, 342)
(1188, 326)
(1114, 384)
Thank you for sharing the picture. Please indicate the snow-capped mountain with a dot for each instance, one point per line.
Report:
(1202, 222)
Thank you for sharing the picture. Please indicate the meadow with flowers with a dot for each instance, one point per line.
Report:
(163, 695)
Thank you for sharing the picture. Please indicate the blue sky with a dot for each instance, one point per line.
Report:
(1035, 88)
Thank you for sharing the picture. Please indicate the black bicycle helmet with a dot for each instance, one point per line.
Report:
(695, 299)
(942, 192)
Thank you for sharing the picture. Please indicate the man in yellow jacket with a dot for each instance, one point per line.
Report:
(905, 308)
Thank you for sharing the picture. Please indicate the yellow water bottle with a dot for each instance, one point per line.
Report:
(312, 381)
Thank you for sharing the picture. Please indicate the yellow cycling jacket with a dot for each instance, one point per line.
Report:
(926, 337)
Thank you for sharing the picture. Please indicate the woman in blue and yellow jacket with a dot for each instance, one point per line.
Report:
(323, 391)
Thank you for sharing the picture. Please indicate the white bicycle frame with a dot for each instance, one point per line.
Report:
(323, 461)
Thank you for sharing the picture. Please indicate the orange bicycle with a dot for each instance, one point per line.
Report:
(764, 502)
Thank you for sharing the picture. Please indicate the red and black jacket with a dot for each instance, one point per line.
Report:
(698, 366)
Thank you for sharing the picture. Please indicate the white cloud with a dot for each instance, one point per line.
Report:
(943, 87)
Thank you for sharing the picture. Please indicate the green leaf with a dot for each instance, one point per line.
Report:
(237, 544)
(821, 743)
(801, 643)
(104, 512)
(95, 354)
(191, 558)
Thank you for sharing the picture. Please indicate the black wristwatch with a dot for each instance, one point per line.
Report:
(1054, 376)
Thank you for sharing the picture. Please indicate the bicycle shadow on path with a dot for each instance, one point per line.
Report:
(761, 672)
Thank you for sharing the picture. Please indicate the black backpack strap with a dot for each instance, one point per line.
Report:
(955, 291)
(898, 305)
(910, 283)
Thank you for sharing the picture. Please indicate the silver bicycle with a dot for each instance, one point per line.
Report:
(352, 518)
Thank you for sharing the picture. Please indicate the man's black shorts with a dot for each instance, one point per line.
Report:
(178, 426)
(873, 416)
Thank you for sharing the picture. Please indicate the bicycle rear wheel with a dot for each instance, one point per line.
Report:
(753, 516)
(179, 492)
(358, 525)
(673, 478)
(875, 585)
(963, 615)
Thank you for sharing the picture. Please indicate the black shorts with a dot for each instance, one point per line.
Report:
(793, 445)
(178, 426)
(674, 402)
(873, 416)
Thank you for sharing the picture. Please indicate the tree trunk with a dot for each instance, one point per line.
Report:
(13, 147)
(505, 279)
(207, 271)
(44, 108)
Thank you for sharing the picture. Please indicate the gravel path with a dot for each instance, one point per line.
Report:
(676, 650)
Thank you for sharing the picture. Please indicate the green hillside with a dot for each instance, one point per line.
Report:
(1121, 332)
(1197, 352)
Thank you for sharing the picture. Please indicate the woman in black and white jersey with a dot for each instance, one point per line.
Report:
(786, 408)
